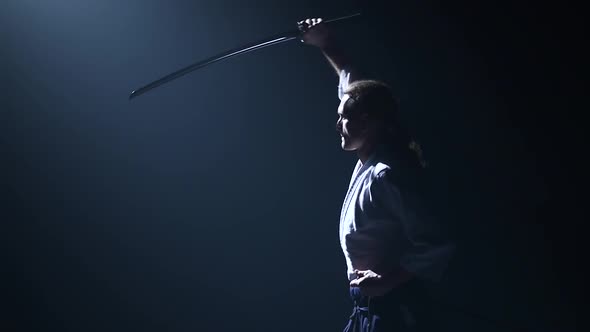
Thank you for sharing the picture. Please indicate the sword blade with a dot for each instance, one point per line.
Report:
(219, 57)
(274, 40)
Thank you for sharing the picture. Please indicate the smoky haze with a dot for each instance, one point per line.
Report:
(212, 202)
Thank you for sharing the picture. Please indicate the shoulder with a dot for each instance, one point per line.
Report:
(380, 170)
(386, 174)
(381, 183)
(378, 192)
(394, 180)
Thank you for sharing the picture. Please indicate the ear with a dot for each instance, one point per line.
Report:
(364, 118)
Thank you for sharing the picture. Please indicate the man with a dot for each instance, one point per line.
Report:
(390, 243)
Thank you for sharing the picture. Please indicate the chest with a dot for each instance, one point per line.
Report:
(355, 204)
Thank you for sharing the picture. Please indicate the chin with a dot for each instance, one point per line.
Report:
(347, 148)
(344, 146)
(347, 145)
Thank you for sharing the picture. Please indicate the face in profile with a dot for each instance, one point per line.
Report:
(352, 125)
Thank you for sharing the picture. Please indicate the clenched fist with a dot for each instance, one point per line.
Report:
(314, 32)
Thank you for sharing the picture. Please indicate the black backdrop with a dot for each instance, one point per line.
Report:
(212, 203)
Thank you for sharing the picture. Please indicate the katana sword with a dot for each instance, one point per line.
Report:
(273, 40)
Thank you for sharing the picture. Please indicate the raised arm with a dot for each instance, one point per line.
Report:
(318, 34)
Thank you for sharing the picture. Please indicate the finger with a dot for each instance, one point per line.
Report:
(316, 22)
(358, 282)
(303, 26)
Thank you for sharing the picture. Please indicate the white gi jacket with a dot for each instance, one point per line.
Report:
(383, 224)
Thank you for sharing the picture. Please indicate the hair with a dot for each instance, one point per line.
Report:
(377, 99)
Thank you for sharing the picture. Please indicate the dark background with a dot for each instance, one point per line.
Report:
(212, 203)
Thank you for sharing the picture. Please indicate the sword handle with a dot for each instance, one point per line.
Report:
(302, 28)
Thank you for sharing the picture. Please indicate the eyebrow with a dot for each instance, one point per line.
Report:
(346, 110)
